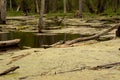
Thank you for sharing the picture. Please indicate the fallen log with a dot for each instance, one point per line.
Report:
(91, 37)
(9, 42)
(9, 70)
(106, 66)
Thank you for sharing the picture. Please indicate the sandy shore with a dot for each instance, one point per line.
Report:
(70, 63)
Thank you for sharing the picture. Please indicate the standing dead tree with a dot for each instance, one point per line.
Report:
(40, 24)
(2, 11)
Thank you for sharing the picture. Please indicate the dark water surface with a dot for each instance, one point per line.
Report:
(36, 40)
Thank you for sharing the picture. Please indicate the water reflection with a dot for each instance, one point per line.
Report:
(36, 40)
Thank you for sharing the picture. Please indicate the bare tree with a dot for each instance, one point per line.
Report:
(54, 6)
(11, 5)
(36, 6)
(2, 11)
(80, 8)
(65, 6)
(40, 25)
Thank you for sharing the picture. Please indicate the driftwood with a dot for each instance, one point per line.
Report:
(9, 42)
(106, 66)
(58, 43)
(9, 70)
(15, 58)
(91, 37)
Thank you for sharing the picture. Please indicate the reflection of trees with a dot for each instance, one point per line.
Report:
(3, 37)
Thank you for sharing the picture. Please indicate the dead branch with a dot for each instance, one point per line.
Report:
(91, 37)
(15, 58)
(58, 43)
(9, 70)
(106, 66)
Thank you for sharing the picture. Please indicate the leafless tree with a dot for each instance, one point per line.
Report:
(2, 11)
(40, 25)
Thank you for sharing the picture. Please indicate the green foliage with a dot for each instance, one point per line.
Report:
(19, 13)
(72, 6)
(60, 14)
(14, 13)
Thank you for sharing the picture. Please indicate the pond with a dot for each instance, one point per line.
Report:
(37, 40)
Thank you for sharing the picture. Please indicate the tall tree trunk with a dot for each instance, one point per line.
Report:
(47, 7)
(40, 25)
(89, 6)
(65, 6)
(54, 6)
(115, 4)
(11, 5)
(18, 8)
(36, 6)
(2, 11)
(80, 8)
(101, 6)
(70, 6)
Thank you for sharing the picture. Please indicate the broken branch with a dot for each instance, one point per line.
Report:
(9, 70)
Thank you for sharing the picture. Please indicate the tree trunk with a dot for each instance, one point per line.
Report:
(91, 37)
(18, 8)
(70, 6)
(80, 8)
(37, 7)
(89, 6)
(54, 6)
(11, 5)
(65, 6)
(115, 4)
(3, 11)
(40, 25)
(101, 6)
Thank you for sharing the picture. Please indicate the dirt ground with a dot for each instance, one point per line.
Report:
(68, 63)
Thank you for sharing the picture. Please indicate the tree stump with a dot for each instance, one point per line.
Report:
(118, 32)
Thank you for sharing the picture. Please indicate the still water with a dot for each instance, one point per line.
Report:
(36, 40)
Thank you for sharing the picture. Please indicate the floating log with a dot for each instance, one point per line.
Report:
(9, 42)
